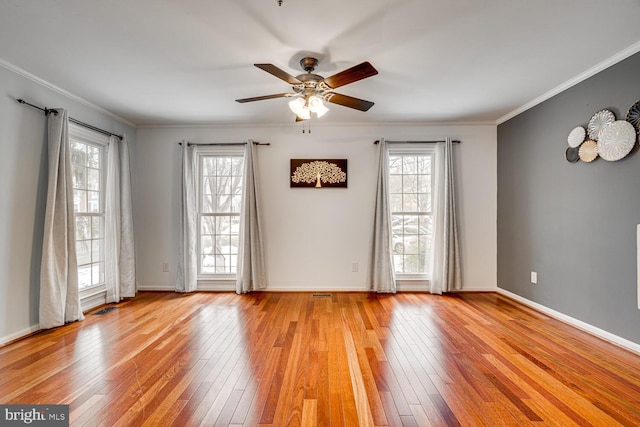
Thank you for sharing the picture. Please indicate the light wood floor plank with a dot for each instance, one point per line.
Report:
(347, 359)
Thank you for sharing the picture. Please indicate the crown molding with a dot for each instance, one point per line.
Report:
(618, 57)
(27, 75)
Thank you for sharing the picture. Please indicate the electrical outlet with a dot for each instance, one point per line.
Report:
(354, 267)
(165, 267)
(534, 277)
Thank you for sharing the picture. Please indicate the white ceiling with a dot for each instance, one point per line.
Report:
(185, 62)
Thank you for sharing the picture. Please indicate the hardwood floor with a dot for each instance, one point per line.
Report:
(347, 359)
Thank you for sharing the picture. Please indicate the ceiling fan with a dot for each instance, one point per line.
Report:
(309, 90)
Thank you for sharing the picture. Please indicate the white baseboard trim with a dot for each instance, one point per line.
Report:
(600, 333)
(316, 289)
(230, 287)
(17, 335)
(491, 289)
(163, 288)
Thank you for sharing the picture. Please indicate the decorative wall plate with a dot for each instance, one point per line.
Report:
(588, 151)
(598, 122)
(633, 116)
(576, 136)
(616, 140)
(571, 154)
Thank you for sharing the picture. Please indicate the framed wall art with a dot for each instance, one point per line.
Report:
(318, 173)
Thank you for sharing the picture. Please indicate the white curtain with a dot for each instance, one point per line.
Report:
(128, 285)
(119, 242)
(446, 257)
(251, 274)
(187, 275)
(381, 274)
(59, 294)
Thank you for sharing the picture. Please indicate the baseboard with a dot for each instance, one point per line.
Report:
(316, 289)
(600, 333)
(163, 288)
(230, 287)
(19, 335)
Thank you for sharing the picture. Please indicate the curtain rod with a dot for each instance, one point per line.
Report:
(48, 111)
(225, 143)
(414, 142)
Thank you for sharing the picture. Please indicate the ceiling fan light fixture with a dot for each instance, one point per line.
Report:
(317, 106)
(299, 108)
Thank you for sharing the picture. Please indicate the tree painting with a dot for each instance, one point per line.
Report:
(319, 173)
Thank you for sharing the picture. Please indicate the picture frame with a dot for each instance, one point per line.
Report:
(318, 173)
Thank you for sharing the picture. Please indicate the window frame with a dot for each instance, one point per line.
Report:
(89, 137)
(225, 278)
(423, 150)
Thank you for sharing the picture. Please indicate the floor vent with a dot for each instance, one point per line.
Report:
(322, 295)
(104, 311)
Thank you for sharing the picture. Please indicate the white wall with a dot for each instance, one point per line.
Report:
(313, 235)
(23, 187)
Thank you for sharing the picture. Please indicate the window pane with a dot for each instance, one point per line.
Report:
(395, 201)
(78, 153)
(424, 165)
(424, 202)
(83, 252)
(97, 225)
(84, 276)
(207, 225)
(207, 203)
(93, 179)
(410, 200)
(221, 195)
(87, 166)
(80, 177)
(83, 227)
(97, 273)
(79, 201)
(224, 203)
(236, 203)
(238, 166)
(409, 164)
(223, 166)
(93, 201)
(223, 225)
(207, 264)
(424, 184)
(395, 165)
(209, 185)
(395, 184)
(97, 250)
(410, 184)
(206, 244)
(93, 157)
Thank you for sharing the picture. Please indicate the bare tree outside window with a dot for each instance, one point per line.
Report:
(220, 203)
(87, 161)
(410, 198)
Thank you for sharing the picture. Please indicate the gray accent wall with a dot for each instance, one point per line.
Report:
(572, 223)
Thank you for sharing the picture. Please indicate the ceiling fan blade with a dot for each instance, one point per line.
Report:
(348, 101)
(350, 75)
(281, 74)
(260, 98)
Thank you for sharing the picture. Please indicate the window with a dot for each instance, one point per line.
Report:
(219, 202)
(410, 199)
(88, 159)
